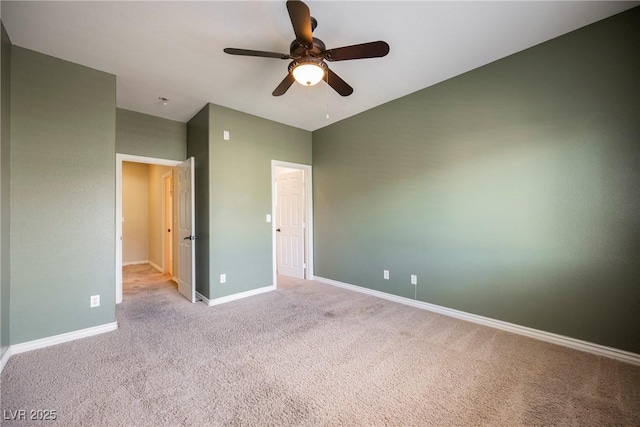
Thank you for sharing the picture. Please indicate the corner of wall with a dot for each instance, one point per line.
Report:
(5, 136)
(81, 102)
(198, 148)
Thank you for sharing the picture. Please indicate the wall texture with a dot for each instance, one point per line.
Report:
(511, 191)
(233, 195)
(135, 210)
(63, 196)
(240, 195)
(5, 190)
(143, 135)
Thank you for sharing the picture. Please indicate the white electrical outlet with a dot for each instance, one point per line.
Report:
(414, 279)
(223, 278)
(95, 301)
(225, 135)
(385, 274)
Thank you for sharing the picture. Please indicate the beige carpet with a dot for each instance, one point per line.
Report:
(310, 354)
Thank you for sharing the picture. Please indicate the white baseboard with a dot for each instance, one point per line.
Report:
(62, 338)
(5, 358)
(600, 350)
(146, 261)
(201, 297)
(240, 295)
(156, 266)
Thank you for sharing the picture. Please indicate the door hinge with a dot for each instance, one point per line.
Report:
(304, 266)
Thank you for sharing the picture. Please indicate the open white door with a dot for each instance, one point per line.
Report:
(290, 224)
(186, 232)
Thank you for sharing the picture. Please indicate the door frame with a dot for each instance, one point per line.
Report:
(118, 214)
(308, 206)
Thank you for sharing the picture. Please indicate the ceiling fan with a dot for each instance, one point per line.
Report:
(309, 54)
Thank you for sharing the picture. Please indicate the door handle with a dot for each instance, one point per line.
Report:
(190, 238)
(278, 230)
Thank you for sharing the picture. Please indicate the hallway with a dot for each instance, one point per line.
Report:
(142, 280)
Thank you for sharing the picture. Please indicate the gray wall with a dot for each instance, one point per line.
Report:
(5, 190)
(233, 195)
(511, 191)
(143, 135)
(63, 196)
(240, 191)
(198, 148)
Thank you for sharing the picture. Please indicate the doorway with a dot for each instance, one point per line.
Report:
(292, 220)
(161, 264)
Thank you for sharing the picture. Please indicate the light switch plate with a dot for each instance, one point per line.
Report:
(268, 217)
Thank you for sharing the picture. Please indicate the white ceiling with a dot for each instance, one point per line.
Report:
(174, 49)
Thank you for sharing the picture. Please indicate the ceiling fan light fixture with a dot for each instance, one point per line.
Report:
(309, 54)
(308, 71)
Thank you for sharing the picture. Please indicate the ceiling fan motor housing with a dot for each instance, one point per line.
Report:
(298, 49)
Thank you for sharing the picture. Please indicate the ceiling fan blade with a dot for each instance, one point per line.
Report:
(260, 53)
(358, 51)
(337, 83)
(301, 21)
(284, 85)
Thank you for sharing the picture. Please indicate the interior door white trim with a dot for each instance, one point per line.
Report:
(118, 236)
(290, 222)
(308, 189)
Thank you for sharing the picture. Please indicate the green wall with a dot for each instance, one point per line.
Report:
(511, 190)
(5, 190)
(63, 196)
(236, 233)
(143, 135)
(198, 148)
(240, 191)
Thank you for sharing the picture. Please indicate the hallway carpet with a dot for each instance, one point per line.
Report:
(310, 354)
(142, 280)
